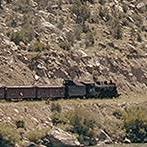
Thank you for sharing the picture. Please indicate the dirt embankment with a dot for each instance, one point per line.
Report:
(88, 122)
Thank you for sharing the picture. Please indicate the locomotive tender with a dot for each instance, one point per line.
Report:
(70, 89)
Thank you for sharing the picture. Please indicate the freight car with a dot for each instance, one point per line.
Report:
(70, 89)
(20, 92)
(50, 92)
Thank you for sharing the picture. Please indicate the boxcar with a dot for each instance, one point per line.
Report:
(74, 89)
(20, 92)
(2, 92)
(50, 92)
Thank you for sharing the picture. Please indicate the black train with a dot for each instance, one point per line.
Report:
(90, 90)
(106, 90)
(74, 89)
(70, 89)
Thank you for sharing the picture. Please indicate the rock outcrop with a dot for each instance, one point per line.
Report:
(60, 138)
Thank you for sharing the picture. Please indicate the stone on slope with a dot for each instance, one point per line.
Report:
(59, 138)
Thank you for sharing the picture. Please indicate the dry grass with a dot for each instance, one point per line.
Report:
(37, 134)
(35, 114)
(131, 98)
(9, 133)
(135, 122)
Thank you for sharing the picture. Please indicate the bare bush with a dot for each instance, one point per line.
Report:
(82, 11)
(89, 40)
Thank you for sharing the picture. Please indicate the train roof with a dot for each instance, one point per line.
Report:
(46, 86)
(104, 85)
(88, 83)
(73, 82)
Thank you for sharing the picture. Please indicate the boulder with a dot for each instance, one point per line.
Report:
(50, 27)
(141, 6)
(60, 138)
(126, 140)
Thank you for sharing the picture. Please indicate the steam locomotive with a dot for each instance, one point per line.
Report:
(70, 89)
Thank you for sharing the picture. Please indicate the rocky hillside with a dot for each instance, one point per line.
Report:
(43, 42)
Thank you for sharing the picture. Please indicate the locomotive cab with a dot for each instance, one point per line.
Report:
(90, 89)
(74, 89)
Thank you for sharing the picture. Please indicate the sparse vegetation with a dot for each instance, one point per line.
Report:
(81, 10)
(38, 46)
(135, 121)
(77, 31)
(104, 14)
(61, 23)
(22, 35)
(55, 107)
(20, 124)
(37, 134)
(116, 29)
(102, 2)
(57, 115)
(84, 118)
(89, 41)
(84, 123)
(8, 134)
(64, 44)
(39, 27)
(58, 118)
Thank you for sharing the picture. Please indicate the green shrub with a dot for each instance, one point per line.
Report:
(20, 124)
(116, 29)
(58, 118)
(8, 134)
(81, 10)
(139, 37)
(64, 43)
(22, 35)
(17, 37)
(5, 143)
(135, 120)
(22, 6)
(83, 123)
(55, 107)
(37, 134)
(118, 114)
(38, 46)
(104, 14)
(79, 121)
(89, 41)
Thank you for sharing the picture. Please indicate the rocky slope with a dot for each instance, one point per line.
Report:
(43, 42)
